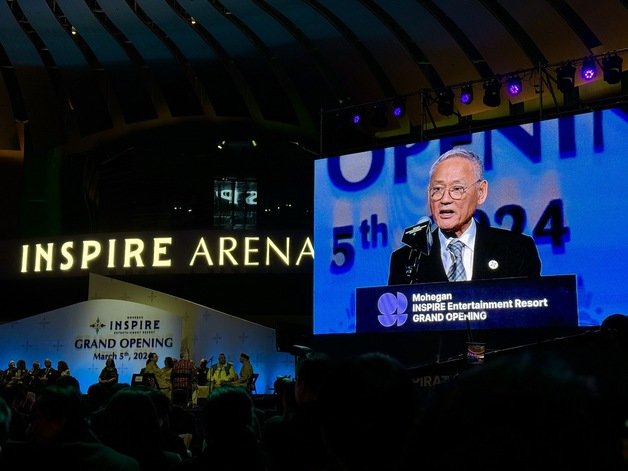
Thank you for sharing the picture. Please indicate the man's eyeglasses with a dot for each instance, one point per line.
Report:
(456, 192)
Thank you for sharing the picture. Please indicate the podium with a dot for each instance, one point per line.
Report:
(509, 303)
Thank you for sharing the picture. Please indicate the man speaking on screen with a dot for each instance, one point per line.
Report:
(457, 247)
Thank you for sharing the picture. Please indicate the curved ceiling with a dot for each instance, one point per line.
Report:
(149, 88)
(79, 75)
(76, 73)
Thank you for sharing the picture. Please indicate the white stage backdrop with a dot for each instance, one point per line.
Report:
(84, 334)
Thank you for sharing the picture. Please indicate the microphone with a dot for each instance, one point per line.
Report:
(419, 239)
(419, 236)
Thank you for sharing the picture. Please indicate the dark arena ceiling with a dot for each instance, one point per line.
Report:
(111, 110)
(81, 72)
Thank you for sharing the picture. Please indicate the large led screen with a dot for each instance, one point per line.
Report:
(562, 181)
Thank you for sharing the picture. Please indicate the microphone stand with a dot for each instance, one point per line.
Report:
(469, 334)
(412, 266)
(419, 239)
(211, 382)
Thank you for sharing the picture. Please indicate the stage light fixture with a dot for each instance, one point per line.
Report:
(589, 69)
(565, 77)
(398, 108)
(514, 85)
(466, 94)
(378, 115)
(611, 66)
(445, 100)
(356, 117)
(492, 93)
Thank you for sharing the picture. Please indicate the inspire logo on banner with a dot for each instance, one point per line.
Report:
(84, 335)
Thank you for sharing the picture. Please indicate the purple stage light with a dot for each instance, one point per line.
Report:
(589, 69)
(466, 95)
(398, 107)
(514, 85)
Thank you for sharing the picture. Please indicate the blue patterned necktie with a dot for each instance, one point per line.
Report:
(456, 271)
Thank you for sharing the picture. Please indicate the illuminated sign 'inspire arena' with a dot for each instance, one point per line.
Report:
(184, 252)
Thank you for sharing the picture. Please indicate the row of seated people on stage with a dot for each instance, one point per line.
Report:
(524, 410)
(175, 374)
(36, 377)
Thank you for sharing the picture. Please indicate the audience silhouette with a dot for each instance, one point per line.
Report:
(131, 425)
(231, 440)
(528, 410)
(369, 407)
(59, 436)
(5, 423)
(294, 441)
(557, 405)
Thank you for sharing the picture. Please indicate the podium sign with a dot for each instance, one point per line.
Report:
(545, 302)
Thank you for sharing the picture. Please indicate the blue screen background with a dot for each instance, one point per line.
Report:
(567, 176)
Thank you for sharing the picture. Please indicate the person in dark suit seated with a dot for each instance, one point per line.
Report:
(456, 188)
(48, 374)
(109, 374)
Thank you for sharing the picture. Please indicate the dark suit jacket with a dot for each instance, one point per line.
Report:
(516, 256)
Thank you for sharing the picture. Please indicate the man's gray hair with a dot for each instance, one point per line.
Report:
(462, 153)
